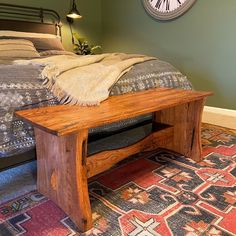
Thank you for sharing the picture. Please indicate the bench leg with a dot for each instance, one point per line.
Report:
(186, 120)
(62, 174)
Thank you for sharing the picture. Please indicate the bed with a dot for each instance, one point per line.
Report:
(22, 87)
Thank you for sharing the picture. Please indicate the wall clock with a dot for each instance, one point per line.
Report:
(167, 9)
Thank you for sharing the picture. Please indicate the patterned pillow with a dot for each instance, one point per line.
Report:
(17, 48)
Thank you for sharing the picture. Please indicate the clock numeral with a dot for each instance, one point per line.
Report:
(167, 5)
(162, 3)
(159, 3)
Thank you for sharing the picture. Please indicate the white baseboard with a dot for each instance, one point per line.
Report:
(219, 116)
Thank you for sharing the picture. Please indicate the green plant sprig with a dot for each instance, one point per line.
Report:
(82, 47)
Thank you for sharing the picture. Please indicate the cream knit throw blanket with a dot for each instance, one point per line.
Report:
(84, 80)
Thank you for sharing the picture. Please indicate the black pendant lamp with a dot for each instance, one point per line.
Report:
(74, 13)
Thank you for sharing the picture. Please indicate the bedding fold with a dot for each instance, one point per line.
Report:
(84, 80)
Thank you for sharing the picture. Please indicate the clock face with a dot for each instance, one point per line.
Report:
(167, 9)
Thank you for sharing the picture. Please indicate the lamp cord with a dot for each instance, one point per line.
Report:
(72, 36)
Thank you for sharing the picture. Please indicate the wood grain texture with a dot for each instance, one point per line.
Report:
(65, 119)
(186, 120)
(62, 174)
(102, 161)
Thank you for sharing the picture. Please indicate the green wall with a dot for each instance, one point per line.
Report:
(89, 26)
(201, 43)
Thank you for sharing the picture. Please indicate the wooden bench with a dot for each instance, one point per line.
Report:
(62, 134)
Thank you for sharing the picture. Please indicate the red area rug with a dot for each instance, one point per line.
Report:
(160, 193)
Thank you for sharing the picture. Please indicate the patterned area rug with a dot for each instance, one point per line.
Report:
(159, 193)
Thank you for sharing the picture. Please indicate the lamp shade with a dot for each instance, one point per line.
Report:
(74, 13)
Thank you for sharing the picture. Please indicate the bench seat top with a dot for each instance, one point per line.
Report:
(66, 119)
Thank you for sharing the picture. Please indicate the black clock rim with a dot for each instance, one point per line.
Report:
(168, 15)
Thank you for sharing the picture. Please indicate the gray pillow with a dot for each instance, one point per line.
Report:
(44, 44)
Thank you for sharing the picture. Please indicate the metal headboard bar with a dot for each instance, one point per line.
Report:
(31, 14)
(25, 11)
